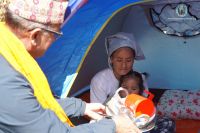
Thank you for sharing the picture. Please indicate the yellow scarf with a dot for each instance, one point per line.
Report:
(15, 53)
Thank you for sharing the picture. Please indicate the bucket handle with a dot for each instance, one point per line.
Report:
(150, 95)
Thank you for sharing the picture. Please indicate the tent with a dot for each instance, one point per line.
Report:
(73, 59)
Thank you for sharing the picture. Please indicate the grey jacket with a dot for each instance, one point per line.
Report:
(20, 112)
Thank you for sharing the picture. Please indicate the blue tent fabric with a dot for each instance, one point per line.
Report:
(62, 59)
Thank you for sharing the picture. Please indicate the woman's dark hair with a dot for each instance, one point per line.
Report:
(134, 75)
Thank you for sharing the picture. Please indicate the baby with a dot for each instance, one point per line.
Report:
(132, 82)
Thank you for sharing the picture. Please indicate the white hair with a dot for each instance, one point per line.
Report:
(3, 6)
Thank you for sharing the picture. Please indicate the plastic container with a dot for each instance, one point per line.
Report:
(141, 105)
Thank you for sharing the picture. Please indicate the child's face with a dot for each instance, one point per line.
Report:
(131, 85)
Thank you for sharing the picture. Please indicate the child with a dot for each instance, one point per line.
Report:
(132, 82)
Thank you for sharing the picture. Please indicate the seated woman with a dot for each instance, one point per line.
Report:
(122, 50)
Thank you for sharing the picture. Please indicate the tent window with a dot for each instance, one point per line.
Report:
(182, 19)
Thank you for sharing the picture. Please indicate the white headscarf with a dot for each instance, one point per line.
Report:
(120, 40)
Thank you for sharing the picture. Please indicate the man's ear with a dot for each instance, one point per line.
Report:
(34, 36)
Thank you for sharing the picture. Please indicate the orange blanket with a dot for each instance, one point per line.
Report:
(187, 126)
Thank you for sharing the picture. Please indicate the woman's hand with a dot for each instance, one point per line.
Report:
(95, 111)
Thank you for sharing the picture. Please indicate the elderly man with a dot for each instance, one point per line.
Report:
(27, 104)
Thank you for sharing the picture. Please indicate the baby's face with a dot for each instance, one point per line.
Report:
(131, 85)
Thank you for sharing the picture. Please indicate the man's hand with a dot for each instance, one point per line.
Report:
(95, 111)
(125, 125)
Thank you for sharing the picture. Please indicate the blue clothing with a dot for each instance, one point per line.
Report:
(20, 112)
